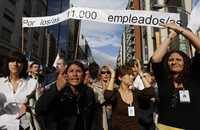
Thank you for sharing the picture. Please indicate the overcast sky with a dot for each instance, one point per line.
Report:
(104, 39)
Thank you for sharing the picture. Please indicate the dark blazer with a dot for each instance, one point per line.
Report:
(65, 111)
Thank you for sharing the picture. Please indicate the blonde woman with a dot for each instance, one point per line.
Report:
(106, 76)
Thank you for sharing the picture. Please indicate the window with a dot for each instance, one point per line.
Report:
(36, 35)
(42, 8)
(27, 7)
(35, 49)
(5, 34)
(9, 16)
(13, 2)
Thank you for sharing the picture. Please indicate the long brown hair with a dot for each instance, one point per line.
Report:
(186, 69)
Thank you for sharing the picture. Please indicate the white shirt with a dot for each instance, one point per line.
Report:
(138, 83)
(14, 100)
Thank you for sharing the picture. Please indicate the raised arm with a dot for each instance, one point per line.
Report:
(112, 78)
(49, 98)
(195, 40)
(140, 73)
(162, 50)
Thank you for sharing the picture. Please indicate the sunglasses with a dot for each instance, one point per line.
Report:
(105, 72)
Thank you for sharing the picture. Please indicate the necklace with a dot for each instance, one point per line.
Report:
(126, 96)
(15, 85)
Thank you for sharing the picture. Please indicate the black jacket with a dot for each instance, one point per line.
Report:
(64, 111)
(184, 114)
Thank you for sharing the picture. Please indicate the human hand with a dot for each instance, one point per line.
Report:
(22, 111)
(138, 66)
(61, 81)
(172, 34)
(173, 27)
(23, 108)
(112, 71)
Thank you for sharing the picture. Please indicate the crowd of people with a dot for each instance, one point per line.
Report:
(76, 96)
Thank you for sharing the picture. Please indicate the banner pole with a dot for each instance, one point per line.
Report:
(48, 47)
(22, 45)
(77, 40)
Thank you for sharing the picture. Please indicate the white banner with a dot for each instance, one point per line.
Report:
(130, 17)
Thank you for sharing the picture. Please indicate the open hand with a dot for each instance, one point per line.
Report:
(61, 81)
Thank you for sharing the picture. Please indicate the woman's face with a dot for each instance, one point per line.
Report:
(135, 71)
(175, 63)
(15, 67)
(75, 75)
(127, 80)
(105, 75)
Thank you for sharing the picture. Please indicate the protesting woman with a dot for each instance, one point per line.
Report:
(178, 82)
(15, 87)
(125, 100)
(106, 76)
(68, 104)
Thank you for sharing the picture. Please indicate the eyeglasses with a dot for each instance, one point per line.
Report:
(105, 72)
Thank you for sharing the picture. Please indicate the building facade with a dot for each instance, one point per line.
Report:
(140, 41)
(131, 39)
(86, 54)
(30, 41)
(66, 33)
(156, 35)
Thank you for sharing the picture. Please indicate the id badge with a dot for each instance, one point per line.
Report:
(131, 111)
(184, 96)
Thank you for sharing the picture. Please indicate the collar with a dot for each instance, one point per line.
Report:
(6, 79)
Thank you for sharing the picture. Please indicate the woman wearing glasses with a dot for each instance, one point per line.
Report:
(178, 82)
(105, 77)
(15, 87)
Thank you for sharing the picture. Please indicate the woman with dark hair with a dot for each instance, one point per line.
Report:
(178, 83)
(68, 104)
(18, 58)
(16, 87)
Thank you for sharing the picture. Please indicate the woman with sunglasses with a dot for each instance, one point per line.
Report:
(15, 86)
(106, 75)
(124, 100)
(178, 82)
